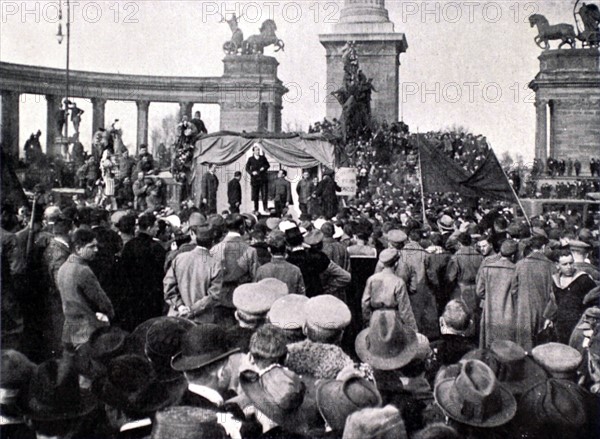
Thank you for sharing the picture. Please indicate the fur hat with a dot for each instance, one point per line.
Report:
(317, 360)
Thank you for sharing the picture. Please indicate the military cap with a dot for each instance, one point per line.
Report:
(396, 236)
(285, 313)
(314, 237)
(388, 255)
(255, 299)
(579, 244)
(327, 312)
(558, 359)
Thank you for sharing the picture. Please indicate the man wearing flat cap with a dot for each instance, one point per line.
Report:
(385, 290)
(494, 284)
(412, 270)
(193, 282)
(580, 251)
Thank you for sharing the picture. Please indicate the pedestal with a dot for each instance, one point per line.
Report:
(250, 88)
(569, 81)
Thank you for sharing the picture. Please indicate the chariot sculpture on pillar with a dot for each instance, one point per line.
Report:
(589, 15)
(255, 44)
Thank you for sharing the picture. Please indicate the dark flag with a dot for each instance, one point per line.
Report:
(490, 181)
(12, 191)
(440, 173)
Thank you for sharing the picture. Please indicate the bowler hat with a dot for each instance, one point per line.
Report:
(201, 346)
(54, 393)
(187, 423)
(475, 397)
(386, 344)
(281, 395)
(131, 385)
(163, 341)
(339, 399)
(105, 343)
(293, 236)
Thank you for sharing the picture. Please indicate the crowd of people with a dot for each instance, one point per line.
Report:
(361, 322)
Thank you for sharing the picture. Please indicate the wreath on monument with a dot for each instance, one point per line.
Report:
(182, 162)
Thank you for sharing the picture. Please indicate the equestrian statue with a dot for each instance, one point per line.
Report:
(590, 18)
(546, 32)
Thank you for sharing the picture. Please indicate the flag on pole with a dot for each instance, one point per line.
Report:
(440, 173)
(490, 181)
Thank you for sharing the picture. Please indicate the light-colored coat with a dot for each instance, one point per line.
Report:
(193, 280)
(532, 287)
(494, 287)
(282, 270)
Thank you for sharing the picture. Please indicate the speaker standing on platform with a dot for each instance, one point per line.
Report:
(257, 167)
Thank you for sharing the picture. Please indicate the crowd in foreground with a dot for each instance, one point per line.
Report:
(351, 325)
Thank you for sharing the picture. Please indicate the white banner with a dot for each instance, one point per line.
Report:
(346, 179)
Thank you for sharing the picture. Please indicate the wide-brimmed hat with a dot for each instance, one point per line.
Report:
(163, 342)
(54, 393)
(281, 395)
(337, 399)
(105, 343)
(475, 397)
(516, 370)
(131, 385)
(386, 344)
(201, 346)
(187, 423)
(314, 237)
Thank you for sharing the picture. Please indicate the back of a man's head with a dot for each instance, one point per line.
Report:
(146, 221)
(234, 223)
(456, 316)
(327, 229)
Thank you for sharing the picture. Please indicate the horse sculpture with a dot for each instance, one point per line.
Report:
(546, 32)
(232, 46)
(257, 43)
(590, 17)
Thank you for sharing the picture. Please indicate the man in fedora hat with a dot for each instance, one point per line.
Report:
(385, 290)
(280, 402)
(55, 405)
(474, 400)
(193, 282)
(210, 366)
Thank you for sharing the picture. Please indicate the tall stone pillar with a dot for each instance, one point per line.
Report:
(142, 123)
(98, 112)
(53, 103)
(541, 130)
(9, 130)
(378, 46)
(185, 109)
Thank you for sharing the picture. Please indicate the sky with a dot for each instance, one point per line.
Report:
(468, 63)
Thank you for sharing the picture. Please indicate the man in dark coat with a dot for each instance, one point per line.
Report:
(234, 193)
(257, 166)
(142, 262)
(283, 192)
(326, 192)
(304, 189)
(208, 189)
(199, 123)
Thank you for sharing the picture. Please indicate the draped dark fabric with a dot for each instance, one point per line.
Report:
(12, 191)
(490, 181)
(293, 150)
(439, 172)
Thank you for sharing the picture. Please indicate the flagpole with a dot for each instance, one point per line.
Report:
(514, 193)
(425, 222)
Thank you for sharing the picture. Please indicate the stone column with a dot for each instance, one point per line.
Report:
(9, 132)
(99, 107)
(185, 109)
(142, 123)
(541, 129)
(52, 105)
